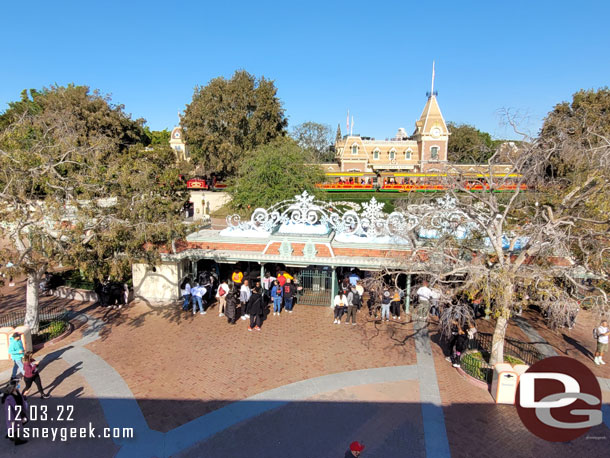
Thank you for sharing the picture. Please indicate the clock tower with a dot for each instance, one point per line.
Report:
(176, 142)
(432, 135)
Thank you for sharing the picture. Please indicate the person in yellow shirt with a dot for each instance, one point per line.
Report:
(237, 277)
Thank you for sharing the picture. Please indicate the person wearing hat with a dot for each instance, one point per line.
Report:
(16, 351)
(355, 449)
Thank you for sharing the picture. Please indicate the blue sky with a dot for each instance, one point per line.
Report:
(373, 58)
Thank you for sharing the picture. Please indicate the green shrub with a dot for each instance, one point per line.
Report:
(55, 329)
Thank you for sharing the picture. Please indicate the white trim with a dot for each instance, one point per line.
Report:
(378, 151)
(352, 149)
(390, 153)
(410, 158)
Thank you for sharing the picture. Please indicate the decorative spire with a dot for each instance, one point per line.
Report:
(432, 87)
(432, 93)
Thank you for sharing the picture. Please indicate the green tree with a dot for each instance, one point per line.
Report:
(468, 145)
(574, 128)
(315, 139)
(158, 137)
(576, 139)
(227, 118)
(91, 114)
(272, 173)
(73, 193)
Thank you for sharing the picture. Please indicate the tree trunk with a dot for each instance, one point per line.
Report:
(497, 342)
(32, 295)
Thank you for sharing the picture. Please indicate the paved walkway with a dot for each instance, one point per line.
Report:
(294, 402)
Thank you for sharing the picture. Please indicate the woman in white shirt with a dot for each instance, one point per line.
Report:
(340, 303)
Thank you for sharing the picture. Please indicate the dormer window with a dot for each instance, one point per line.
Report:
(354, 149)
(392, 155)
(376, 155)
(434, 153)
(408, 155)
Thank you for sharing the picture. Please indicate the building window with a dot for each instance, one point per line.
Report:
(434, 153)
(376, 154)
(408, 155)
(392, 155)
(354, 149)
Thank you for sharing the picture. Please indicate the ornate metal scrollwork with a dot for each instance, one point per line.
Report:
(443, 216)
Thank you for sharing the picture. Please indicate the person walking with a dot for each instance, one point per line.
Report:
(256, 310)
(31, 375)
(221, 297)
(15, 410)
(289, 291)
(16, 352)
(276, 295)
(353, 299)
(232, 302)
(197, 293)
(185, 291)
(340, 303)
(385, 305)
(601, 333)
(244, 297)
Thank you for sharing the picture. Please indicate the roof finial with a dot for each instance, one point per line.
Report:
(432, 87)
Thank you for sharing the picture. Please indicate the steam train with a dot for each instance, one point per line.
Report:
(418, 182)
(395, 182)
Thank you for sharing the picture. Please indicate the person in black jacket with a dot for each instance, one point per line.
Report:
(231, 305)
(255, 309)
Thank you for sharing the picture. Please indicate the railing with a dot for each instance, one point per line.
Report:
(47, 313)
(480, 368)
(316, 287)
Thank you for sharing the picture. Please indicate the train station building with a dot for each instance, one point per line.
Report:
(423, 151)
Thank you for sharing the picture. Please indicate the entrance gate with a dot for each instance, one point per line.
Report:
(317, 287)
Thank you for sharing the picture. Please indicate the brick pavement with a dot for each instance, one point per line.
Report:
(576, 343)
(384, 416)
(477, 427)
(223, 364)
(67, 388)
(203, 363)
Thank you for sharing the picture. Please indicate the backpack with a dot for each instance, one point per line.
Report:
(595, 333)
(356, 300)
(221, 291)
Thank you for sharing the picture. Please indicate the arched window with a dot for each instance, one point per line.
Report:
(354, 149)
(434, 153)
(392, 155)
(376, 154)
(408, 155)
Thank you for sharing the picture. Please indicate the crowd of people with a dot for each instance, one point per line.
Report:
(237, 298)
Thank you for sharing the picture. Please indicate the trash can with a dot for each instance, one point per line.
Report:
(504, 384)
